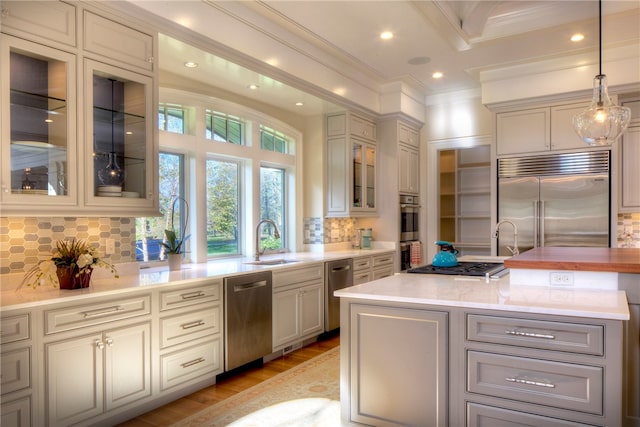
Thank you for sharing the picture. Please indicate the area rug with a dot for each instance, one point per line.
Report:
(306, 395)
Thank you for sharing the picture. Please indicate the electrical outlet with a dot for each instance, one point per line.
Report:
(109, 247)
(561, 278)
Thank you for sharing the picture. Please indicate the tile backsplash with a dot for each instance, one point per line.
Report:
(26, 241)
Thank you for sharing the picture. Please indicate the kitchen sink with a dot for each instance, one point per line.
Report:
(273, 261)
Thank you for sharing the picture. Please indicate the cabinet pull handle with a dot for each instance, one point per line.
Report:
(530, 334)
(529, 382)
(192, 324)
(190, 295)
(192, 362)
(99, 344)
(102, 311)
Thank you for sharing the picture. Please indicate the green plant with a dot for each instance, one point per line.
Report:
(77, 255)
(173, 243)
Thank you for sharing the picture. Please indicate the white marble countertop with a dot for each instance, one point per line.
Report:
(12, 296)
(494, 294)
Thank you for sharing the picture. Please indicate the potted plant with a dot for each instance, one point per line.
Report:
(174, 244)
(70, 266)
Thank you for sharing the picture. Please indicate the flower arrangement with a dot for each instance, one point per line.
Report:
(174, 243)
(75, 259)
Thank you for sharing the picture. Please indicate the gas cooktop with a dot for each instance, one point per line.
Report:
(486, 269)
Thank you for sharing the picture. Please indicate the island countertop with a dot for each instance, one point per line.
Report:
(494, 294)
(620, 260)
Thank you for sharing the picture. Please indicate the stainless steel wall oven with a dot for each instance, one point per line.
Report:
(409, 218)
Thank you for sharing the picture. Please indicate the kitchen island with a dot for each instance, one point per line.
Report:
(427, 350)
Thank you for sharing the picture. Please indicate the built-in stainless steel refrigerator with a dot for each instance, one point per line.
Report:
(555, 200)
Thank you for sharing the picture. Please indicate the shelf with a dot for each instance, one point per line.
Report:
(30, 100)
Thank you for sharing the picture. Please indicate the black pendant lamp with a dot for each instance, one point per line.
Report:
(603, 121)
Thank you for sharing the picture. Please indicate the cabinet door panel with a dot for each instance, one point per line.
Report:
(630, 172)
(286, 311)
(563, 136)
(394, 350)
(312, 309)
(49, 21)
(127, 365)
(74, 380)
(523, 131)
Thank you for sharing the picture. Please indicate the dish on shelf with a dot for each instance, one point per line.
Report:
(131, 194)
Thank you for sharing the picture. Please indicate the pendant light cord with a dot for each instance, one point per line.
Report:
(600, 33)
(113, 102)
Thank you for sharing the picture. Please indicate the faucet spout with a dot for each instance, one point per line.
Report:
(276, 234)
(496, 233)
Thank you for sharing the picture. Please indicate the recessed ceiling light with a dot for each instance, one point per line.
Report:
(577, 37)
(190, 64)
(437, 75)
(386, 35)
(299, 104)
(253, 86)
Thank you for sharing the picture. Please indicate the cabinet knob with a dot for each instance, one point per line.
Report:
(109, 342)
(150, 59)
(4, 13)
(99, 344)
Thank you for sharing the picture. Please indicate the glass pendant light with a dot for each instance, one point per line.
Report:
(112, 174)
(603, 122)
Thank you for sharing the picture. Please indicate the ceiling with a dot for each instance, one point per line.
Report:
(458, 38)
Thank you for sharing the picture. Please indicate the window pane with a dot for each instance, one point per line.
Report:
(171, 118)
(271, 140)
(272, 206)
(223, 195)
(223, 128)
(150, 230)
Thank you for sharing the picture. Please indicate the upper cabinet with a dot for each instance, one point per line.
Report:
(78, 95)
(538, 129)
(351, 166)
(408, 160)
(630, 159)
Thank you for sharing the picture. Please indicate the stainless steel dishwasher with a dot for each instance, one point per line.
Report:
(338, 275)
(247, 326)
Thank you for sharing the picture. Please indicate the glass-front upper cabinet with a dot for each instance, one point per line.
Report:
(364, 176)
(38, 165)
(119, 137)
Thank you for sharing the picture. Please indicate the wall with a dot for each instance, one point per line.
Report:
(26, 241)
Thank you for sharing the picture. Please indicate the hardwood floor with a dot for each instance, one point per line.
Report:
(228, 386)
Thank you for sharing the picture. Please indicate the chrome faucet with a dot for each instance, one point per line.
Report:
(515, 250)
(276, 234)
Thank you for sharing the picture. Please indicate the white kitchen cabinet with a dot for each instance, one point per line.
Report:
(39, 151)
(49, 21)
(298, 305)
(361, 270)
(190, 334)
(372, 267)
(397, 366)
(538, 129)
(630, 159)
(51, 160)
(408, 169)
(408, 135)
(351, 166)
(98, 372)
(16, 366)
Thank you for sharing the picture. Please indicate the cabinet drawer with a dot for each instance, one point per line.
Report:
(16, 412)
(382, 259)
(361, 277)
(43, 21)
(540, 382)
(83, 315)
(290, 276)
(362, 263)
(191, 363)
(184, 297)
(14, 328)
(488, 416)
(116, 41)
(15, 370)
(539, 334)
(189, 326)
(382, 272)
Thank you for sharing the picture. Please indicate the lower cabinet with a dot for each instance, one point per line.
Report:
(95, 373)
(298, 313)
(398, 366)
(16, 368)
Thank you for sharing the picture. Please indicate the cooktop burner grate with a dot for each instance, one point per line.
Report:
(462, 269)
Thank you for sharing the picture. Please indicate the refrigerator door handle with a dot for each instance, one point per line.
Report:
(542, 214)
(535, 223)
